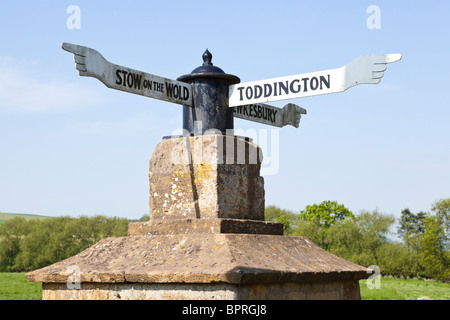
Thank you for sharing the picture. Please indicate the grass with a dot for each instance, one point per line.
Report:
(410, 289)
(15, 286)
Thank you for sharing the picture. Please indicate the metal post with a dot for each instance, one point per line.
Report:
(210, 93)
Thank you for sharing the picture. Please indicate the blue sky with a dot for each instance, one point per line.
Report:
(71, 146)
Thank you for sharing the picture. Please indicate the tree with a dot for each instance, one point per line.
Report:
(411, 226)
(345, 239)
(39, 243)
(396, 260)
(311, 230)
(11, 233)
(374, 227)
(433, 256)
(442, 210)
(360, 239)
(327, 213)
(286, 217)
(318, 218)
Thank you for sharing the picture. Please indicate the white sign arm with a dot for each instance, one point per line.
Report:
(365, 69)
(90, 63)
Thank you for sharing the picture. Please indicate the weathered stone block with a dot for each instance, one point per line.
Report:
(209, 176)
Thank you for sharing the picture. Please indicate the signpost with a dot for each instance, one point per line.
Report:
(247, 99)
(365, 69)
(204, 212)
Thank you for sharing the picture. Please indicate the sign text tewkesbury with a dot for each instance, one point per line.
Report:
(290, 114)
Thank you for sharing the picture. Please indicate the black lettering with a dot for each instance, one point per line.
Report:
(249, 93)
(299, 87)
(284, 87)
(245, 110)
(314, 83)
(267, 90)
(130, 80)
(259, 115)
(124, 77)
(274, 113)
(305, 84)
(274, 89)
(119, 77)
(169, 87)
(258, 91)
(323, 80)
(185, 93)
(137, 81)
(240, 93)
(265, 113)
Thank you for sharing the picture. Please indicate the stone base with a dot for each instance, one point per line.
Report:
(222, 266)
(206, 238)
(218, 291)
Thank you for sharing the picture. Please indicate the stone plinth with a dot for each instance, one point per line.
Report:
(206, 176)
(204, 266)
(206, 238)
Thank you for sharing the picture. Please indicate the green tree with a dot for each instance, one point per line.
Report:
(345, 239)
(43, 245)
(360, 239)
(318, 218)
(286, 217)
(396, 260)
(312, 230)
(433, 255)
(11, 233)
(327, 213)
(52, 240)
(374, 227)
(442, 210)
(411, 227)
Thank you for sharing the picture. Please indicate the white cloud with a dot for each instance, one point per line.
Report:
(22, 87)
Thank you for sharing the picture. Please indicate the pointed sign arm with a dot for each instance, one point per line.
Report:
(365, 69)
(90, 63)
(290, 114)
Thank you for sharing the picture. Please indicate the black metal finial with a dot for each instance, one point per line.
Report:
(207, 57)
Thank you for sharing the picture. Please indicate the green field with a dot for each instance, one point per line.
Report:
(7, 216)
(400, 289)
(15, 286)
